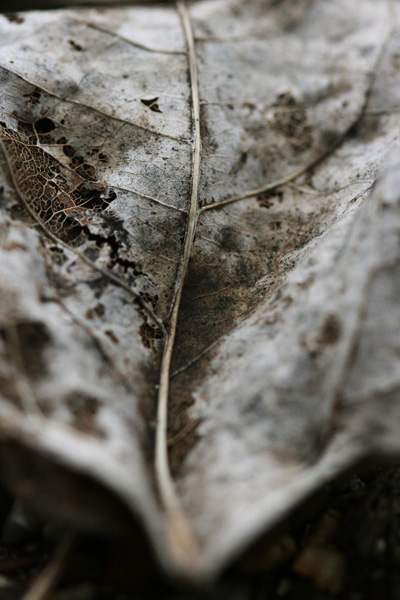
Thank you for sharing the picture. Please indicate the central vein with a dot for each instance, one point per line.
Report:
(182, 539)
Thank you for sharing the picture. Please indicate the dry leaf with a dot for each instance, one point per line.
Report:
(195, 214)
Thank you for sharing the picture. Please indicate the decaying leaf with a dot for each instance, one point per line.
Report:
(199, 264)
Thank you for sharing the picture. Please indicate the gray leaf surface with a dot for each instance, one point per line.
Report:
(285, 365)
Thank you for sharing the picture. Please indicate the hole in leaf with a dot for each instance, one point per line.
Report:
(151, 103)
(148, 333)
(44, 125)
(103, 157)
(69, 151)
(86, 171)
(33, 97)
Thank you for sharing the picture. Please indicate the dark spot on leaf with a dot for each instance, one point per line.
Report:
(243, 158)
(112, 336)
(329, 136)
(306, 284)
(229, 239)
(58, 255)
(149, 334)
(33, 97)
(91, 253)
(99, 310)
(264, 200)
(253, 405)
(290, 119)
(84, 410)
(26, 343)
(14, 18)
(69, 151)
(75, 46)
(275, 225)
(331, 330)
(151, 300)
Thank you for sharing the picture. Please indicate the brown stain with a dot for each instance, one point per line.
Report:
(182, 429)
(220, 292)
(150, 334)
(217, 297)
(290, 119)
(25, 343)
(331, 330)
(98, 311)
(14, 18)
(84, 410)
(304, 285)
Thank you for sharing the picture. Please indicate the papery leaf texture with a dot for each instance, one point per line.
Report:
(199, 274)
